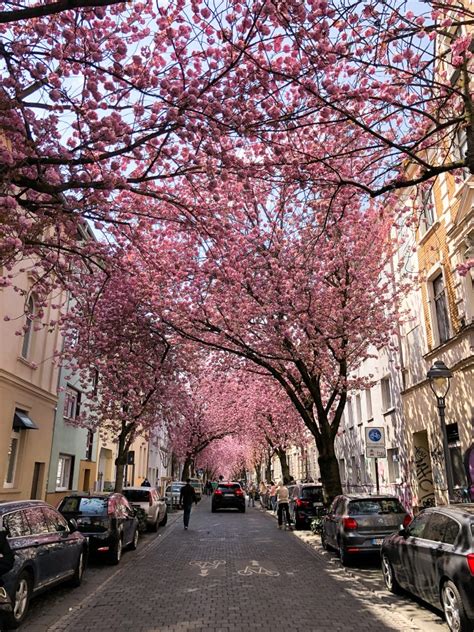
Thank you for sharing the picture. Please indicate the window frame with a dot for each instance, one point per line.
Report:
(69, 472)
(72, 403)
(387, 405)
(27, 341)
(15, 435)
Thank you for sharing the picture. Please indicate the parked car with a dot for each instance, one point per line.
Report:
(227, 496)
(172, 494)
(48, 550)
(306, 502)
(358, 524)
(433, 558)
(148, 499)
(106, 519)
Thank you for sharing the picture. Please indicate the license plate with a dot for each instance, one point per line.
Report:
(377, 541)
(317, 505)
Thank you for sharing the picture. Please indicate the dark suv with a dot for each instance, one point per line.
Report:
(227, 496)
(358, 524)
(306, 502)
(106, 519)
(48, 550)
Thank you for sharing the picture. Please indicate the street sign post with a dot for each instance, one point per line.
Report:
(375, 448)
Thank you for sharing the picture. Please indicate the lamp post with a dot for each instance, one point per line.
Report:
(439, 376)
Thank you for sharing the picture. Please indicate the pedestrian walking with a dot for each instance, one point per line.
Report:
(146, 483)
(283, 497)
(273, 496)
(209, 488)
(263, 493)
(251, 493)
(187, 496)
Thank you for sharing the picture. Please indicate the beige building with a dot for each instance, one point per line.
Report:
(28, 390)
(440, 328)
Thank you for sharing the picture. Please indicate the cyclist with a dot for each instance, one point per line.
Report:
(282, 497)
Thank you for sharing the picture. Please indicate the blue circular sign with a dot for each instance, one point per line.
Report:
(375, 435)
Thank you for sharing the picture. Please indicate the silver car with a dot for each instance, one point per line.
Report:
(148, 499)
(358, 524)
(172, 494)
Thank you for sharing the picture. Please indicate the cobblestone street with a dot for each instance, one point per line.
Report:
(229, 572)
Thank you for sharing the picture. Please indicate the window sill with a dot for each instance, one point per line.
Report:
(27, 363)
(389, 411)
(434, 226)
(10, 490)
(62, 489)
(370, 420)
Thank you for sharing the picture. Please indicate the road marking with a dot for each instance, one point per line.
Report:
(255, 569)
(206, 566)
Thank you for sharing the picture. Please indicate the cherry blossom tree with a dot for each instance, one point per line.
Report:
(123, 358)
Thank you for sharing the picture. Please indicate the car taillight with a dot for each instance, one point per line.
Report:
(239, 492)
(218, 492)
(470, 562)
(349, 524)
(406, 521)
(302, 503)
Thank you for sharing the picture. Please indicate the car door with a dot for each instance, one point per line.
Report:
(66, 552)
(47, 547)
(330, 522)
(410, 550)
(440, 534)
(128, 520)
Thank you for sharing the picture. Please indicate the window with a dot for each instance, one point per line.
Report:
(368, 403)
(64, 472)
(54, 520)
(350, 413)
(12, 457)
(442, 529)
(440, 308)
(16, 525)
(358, 409)
(72, 403)
(363, 471)
(427, 211)
(387, 401)
(36, 520)
(342, 470)
(393, 464)
(418, 525)
(454, 445)
(89, 445)
(28, 328)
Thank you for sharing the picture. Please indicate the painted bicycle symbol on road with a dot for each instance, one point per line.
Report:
(255, 569)
(206, 566)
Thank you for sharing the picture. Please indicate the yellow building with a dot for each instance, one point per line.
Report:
(28, 391)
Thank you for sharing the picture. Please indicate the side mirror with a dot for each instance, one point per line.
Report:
(403, 532)
(72, 524)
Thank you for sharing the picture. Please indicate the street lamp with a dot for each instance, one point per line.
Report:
(439, 376)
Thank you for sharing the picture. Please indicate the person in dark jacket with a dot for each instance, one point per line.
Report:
(187, 496)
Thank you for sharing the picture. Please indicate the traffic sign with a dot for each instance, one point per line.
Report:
(374, 437)
(375, 452)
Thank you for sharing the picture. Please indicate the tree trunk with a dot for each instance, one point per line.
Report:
(285, 469)
(121, 460)
(329, 469)
(268, 469)
(186, 468)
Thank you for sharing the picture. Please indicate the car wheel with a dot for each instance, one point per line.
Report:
(389, 576)
(115, 554)
(324, 542)
(213, 510)
(344, 556)
(453, 608)
(154, 526)
(79, 571)
(298, 525)
(242, 510)
(165, 519)
(20, 602)
(134, 543)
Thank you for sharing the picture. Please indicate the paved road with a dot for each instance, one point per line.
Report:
(228, 573)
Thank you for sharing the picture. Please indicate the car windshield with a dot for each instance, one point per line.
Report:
(229, 487)
(312, 493)
(137, 495)
(375, 506)
(196, 485)
(173, 488)
(89, 506)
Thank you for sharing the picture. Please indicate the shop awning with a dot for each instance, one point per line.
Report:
(21, 420)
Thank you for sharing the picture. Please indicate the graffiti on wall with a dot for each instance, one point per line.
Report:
(424, 476)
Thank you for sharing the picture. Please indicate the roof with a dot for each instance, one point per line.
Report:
(464, 510)
(370, 496)
(12, 505)
(141, 488)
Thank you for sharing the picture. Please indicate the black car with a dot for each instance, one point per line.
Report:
(106, 519)
(227, 496)
(433, 558)
(357, 524)
(306, 502)
(48, 550)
